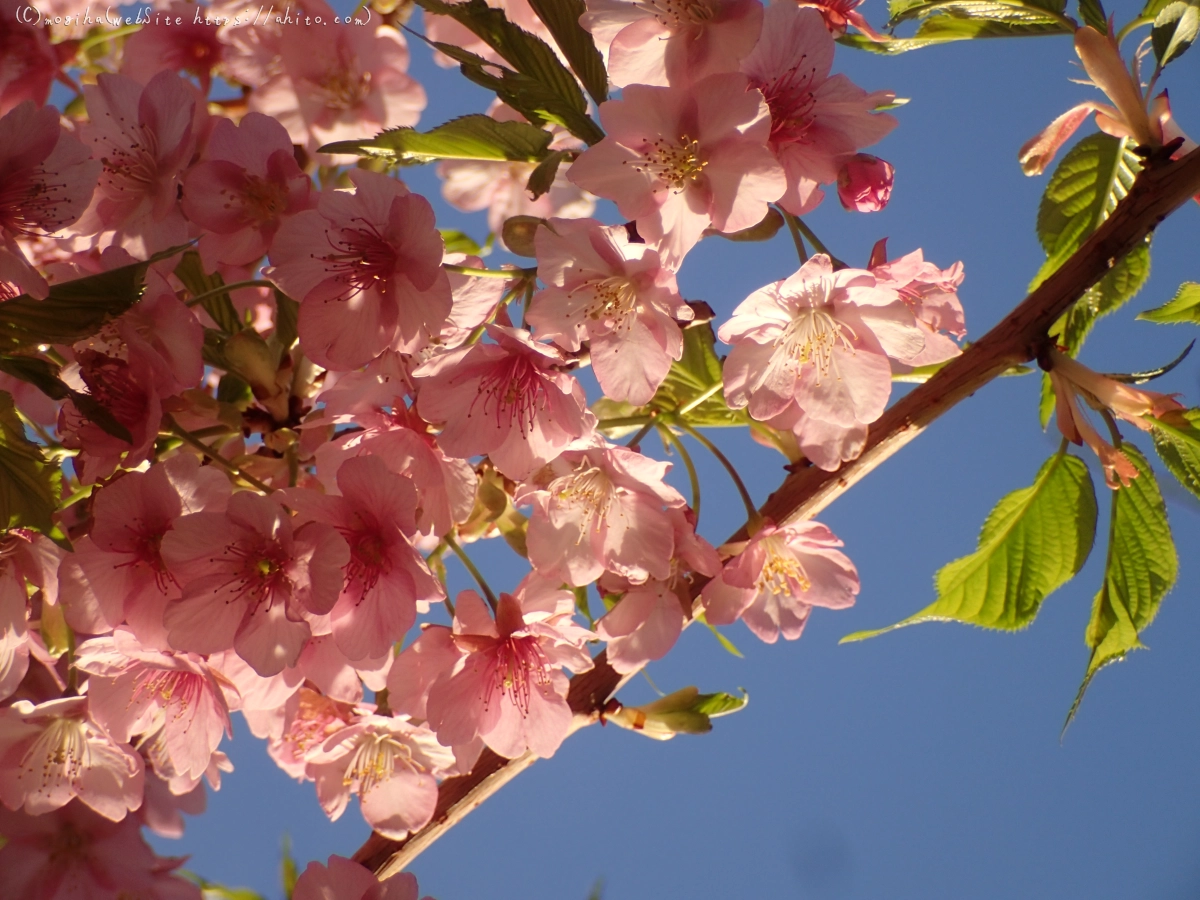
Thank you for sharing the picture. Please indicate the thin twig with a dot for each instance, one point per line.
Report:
(478, 576)
(188, 438)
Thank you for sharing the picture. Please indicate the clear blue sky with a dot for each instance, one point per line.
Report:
(922, 764)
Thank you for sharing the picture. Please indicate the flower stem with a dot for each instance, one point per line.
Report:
(633, 442)
(466, 561)
(190, 439)
(696, 401)
(795, 230)
(688, 464)
(752, 513)
(217, 291)
(816, 242)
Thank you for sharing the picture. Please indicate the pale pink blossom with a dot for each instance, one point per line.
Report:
(54, 752)
(615, 294)
(679, 160)
(26, 558)
(344, 879)
(931, 296)
(512, 400)
(137, 690)
(386, 577)
(864, 183)
(825, 444)
(507, 685)
(840, 13)
(1132, 114)
(117, 572)
(247, 182)
(74, 853)
(28, 62)
(366, 268)
(816, 119)
(144, 137)
(1073, 381)
(264, 702)
(192, 46)
(162, 811)
(672, 42)
(776, 579)
(499, 187)
(250, 580)
(418, 667)
(326, 667)
(820, 339)
(391, 764)
(311, 719)
(598, 509)
(46, 182)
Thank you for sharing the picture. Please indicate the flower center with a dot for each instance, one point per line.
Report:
(813, 335)
(132, 169)
(58, 756)
(587, 491)
(368, 560)
(791, 99)
(614, 300)
(515, 666)
(375, 759)
(170, 688)
(30, 201)
(515, 390)
(342, 88)
(261, 201)
(782, 574)
(676, 14)
(109, 381)
(362, 258)
(677, 164)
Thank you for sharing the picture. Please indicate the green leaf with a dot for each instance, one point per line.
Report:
(288, 870)
(1141, 568)
(458, 242)
(720, 704)
(219, 307)
(287, 317)
(467, 137)
(977, 11)
(1177, 440)
(1152, 8)
(961, 21)
(763, 231)
(30, 486)
(1175, 29)
(538, 86)
(696, 373)
(43, 375)
(541, 179)
(721, 639)
(1092, 13)
(1033, 542)
(1183, 307)
(561, 18)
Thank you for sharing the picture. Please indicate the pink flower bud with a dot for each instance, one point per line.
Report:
(865, 183)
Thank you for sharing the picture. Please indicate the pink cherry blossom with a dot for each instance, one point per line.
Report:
(136, 690)
(816, 120)
(191, 46)
(679, 160)
(672, 42)
(821, 339)
(26, 557)
(840, 13)
(75, 853)
(249, 580)
(615, 294)
(54, 752)
(512, 400)
(499, 187)
(344, 879)
(386, 577)
(507, 685)
(246, 184)
(390, 763)
(144, 138)
(30, 63)
(864, 183)
(117, 572)
(46, 181)
(366, 268)
(263, 702)
(931, 295)
(328, 669)
(778, 577)
(601, 509)
(825, 444)
(162, 811)
(311, 719)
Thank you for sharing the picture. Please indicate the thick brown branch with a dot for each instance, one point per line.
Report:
(1160, 189)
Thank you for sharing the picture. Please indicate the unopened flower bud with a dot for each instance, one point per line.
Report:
(664, 718)
(865, 183)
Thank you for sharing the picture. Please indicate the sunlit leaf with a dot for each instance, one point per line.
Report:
(561, 18)
(219, 306)
(468, 137)
(1175, 29)
(30, 486)
(1183, 307)
(1177, 439)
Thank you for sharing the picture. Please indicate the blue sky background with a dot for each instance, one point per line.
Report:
(925, 763)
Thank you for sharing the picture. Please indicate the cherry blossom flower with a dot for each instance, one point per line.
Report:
(672, 42)
(247, 182)
(1132, 113)
(136, 690)
(615, 294)
(249, 579)
(30, 63)
(499, 187)
(192, 46)
(46, 182)
(344, 879)
(511, 400)
(144, 137)
(679, 160)
(1073, 381)
(816, 119)
(506, 684)
(825, 444)
(73, 852)
(117, 572)
(386, 577)
(821, 339)
(931, 295)
(864, 183)
(263, 701)
(393, 767)
(26, 557)
(366, 268)
(162, 811)
(840, 13)
(601, 509)
(54, 752)
(776, 579)
(311, 719)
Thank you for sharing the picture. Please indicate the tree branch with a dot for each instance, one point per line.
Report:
(1160, 189)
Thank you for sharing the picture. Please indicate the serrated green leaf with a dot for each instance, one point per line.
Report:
(1183, 307)
(978, 11)
(1092, 13)
(1175, 29)
(467, 137)
(1177, 440)
(541, 179)
(1033, 541)
(944, 28)
(219, 307)
(44, 375)
(695, 374)
(30, 486)
(1141, 568)
(1152, 8)
(459, 242)
(720, 704)
(561, 18)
